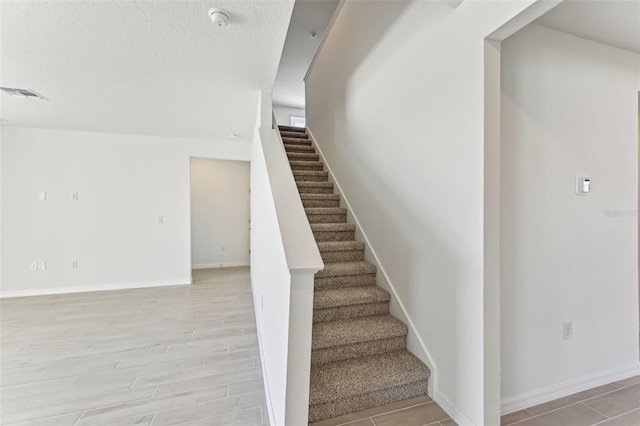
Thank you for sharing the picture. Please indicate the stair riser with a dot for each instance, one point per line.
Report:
(368, 400)
(311, 167)
(327, 218)
(300, 148)
(334, 235)
(301, 156)
(342, 256)
(292, 129)
(296, 135)
(297, 142)
(350, 311)
(310, 178)
(314, 190)
(321, 203)
(346, 281)
(356, 350)
(364, 269)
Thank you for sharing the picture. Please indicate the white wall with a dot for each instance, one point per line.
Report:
(124, 183)
(284, 259)
(219, 213)
(397, 107)
(569, 108)
(270, 281)
(283, 114)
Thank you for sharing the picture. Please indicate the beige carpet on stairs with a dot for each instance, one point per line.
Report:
(358, 352)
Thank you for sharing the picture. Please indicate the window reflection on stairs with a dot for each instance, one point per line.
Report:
(359, 357)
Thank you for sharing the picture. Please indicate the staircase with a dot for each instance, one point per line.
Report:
(358, 351)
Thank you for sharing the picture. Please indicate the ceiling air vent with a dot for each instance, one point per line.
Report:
(23, 93)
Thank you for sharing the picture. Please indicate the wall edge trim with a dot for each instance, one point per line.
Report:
(94, 288)
(445, 403)
(567, 387)
(220, 264)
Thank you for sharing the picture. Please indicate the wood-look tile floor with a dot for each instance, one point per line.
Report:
(183, 355)
(420, 411)
(614, 404)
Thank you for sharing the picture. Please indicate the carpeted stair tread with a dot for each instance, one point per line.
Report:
(300, 148)
(310, 175)
(306, 165)
(303, 156)
(349, 378)
(296, 141)
(306, 187)
(328, 246)
(292, 129)
(355, 330)
(331, 215)
(331, 298)
(287, 134)
(333, 227)
(325, 210)
(320, 200)
(311, 184)
(341, 251)
(319, 197)
(333, 231)
(345, 281)
(339, 269)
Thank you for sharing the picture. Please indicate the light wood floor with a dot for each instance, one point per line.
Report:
(189, 356)
(420, 411)
(614, 404)
(160, 356)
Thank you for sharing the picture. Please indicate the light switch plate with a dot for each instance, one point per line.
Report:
(583, 185)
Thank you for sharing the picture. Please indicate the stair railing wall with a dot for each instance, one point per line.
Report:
(284, 259)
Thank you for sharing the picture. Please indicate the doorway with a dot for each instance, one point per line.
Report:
(219, 204)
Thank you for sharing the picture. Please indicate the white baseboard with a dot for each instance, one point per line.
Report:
(568, 387)
(445, 403)
(92, 288)
(220, 265)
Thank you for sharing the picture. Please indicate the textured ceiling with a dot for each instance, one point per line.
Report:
(299, 49)
(140, 67)
(612, 22)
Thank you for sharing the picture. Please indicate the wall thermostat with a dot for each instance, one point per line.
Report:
(583, 185)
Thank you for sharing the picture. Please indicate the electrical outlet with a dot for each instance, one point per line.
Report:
(567, 330)
(42, 265)
(75, 196)
(33, 266)
(74, 264)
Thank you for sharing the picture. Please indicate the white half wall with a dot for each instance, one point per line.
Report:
(569, 108)
(395, 100)
(219, 213)
(124, 184)
(283, 114)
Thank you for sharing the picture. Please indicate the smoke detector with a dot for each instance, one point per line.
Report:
(23, 93)
(219, 17)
